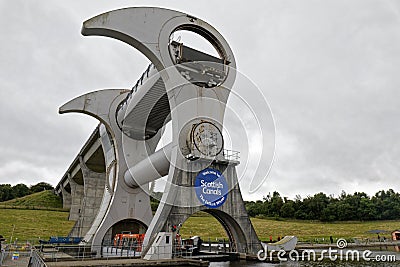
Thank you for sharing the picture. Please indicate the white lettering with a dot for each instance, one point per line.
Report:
(217, 185)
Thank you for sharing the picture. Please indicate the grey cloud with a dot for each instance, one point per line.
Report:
(329, 70)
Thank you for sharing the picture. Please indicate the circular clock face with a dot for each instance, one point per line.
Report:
(207, 139)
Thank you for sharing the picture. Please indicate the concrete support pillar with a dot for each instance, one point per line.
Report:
(76, 199)
(94, 184)
(66, 198)
(231, 214)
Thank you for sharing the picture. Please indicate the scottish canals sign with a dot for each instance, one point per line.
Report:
(211, 188)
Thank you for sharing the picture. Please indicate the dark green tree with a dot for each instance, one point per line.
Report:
(41, 187)
(20, 190)
(384, 205)
(6, 192)
(276, 204)
(287, 210)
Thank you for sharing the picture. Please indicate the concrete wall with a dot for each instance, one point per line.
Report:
(76, 200)
(66, 198)
(93, 189)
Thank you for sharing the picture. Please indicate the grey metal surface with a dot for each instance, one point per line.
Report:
(124, 202)
(149, 169)
(182, 88)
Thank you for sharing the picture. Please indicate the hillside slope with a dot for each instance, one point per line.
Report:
(33, 225)
(45, 199)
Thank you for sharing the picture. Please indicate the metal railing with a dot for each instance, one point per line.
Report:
(17, 250)
(57, 252)
(2, 256)
(36, 260)
(108, 252)
(225, 154)
(182, 250)
(118, 251)
(231, 155)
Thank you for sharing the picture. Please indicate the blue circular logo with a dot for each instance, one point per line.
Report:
(211, 188)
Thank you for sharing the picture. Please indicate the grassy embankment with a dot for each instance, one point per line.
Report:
(33, 224)
(39, 215)
(32, 221)
(308, 231)
(44, 200)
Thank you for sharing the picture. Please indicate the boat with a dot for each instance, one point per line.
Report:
(287, 243)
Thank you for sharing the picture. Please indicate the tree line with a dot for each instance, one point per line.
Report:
(8, 192)
(384, 205)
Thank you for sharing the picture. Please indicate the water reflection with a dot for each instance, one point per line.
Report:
(383, 252)
(303, 264)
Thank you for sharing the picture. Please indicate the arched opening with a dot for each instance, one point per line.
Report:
(195, 41)
(198, 56)
(131, 226)
(235, 233)
(218, 232)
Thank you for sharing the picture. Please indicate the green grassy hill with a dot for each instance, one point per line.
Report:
(32, 225)
(307, 231)
(39, 215)
(41, 200)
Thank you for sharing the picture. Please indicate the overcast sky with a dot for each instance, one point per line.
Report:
(329, 70)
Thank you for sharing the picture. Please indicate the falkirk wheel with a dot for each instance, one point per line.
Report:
(182, 85)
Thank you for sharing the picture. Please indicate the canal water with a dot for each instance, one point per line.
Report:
(303, 264)
(378, 257)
